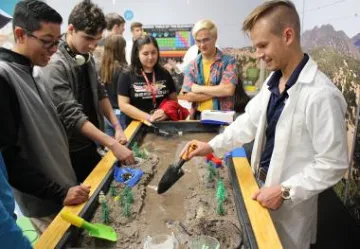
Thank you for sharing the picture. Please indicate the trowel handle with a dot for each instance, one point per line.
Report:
(147, 123)
(190, 149)
(72, 218)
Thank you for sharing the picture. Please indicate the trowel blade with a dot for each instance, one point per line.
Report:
(172, 174)
(161, 131)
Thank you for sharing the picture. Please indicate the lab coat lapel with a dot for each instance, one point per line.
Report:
(284, 125)
(260, 134)
(283, 134)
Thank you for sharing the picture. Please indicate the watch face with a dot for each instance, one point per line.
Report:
(285, 193)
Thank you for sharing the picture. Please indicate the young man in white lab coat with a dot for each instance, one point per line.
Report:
(298, 123)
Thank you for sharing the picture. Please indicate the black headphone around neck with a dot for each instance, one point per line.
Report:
(80, 59)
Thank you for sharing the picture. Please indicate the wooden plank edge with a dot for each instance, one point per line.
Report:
(262, 225)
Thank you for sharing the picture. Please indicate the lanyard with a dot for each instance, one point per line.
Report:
(151, 87)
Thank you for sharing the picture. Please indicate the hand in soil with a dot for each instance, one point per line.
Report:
(122, 153)
(269, 197)
(202, 149)
(77, 195)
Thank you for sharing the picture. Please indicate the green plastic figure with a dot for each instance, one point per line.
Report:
(129, 197)
(220, 208)
(127, 209)
(104, 208)
(220, 191)
(136, 150)
(220, 197)
(139, 152)
(105, 213)
(142, 154)
(113, 190)
(211, 173)
(126, 199)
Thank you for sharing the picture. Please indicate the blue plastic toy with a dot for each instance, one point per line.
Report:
(129, 176)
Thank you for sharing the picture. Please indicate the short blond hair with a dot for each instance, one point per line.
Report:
(281, 14)
(204, 24)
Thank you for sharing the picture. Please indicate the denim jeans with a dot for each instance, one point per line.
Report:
(108, 127)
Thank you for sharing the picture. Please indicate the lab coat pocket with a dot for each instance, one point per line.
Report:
(297, 130)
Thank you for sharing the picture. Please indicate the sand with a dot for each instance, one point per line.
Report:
(187, 209)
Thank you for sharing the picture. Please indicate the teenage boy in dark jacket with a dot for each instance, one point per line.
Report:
(10, 234)
(79, 97)
(32, 139)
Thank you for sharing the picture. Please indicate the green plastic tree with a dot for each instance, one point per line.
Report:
(126, 199)
(104, 208)
(141, 153)
(105, 213)
(220, 191)
(113, 190)
(220, 208)
(129, 197)
(127, 209)
(136, 150)
(211, 173)
(220, 197)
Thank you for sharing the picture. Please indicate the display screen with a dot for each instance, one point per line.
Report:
(171, 37)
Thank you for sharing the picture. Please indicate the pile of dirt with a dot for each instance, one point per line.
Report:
(128, 233)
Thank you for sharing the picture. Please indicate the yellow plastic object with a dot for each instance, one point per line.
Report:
(96, 230)
(250, 88)
(146, 122)
(190, 149)
(73, 219)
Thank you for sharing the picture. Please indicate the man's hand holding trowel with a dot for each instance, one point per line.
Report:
(202, 149)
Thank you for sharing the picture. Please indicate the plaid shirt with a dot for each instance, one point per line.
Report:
(222, 70)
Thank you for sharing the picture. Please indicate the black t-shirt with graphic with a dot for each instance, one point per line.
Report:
(134, 87)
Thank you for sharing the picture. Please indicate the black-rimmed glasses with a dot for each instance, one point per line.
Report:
(46, 44)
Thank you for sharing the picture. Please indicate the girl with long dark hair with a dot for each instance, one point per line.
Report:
(142, 89)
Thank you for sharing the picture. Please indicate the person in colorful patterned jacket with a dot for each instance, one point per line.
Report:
(210, 79)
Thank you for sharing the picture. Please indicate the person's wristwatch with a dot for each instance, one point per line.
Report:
(285, 192)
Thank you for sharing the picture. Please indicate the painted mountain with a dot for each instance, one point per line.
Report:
(338, 57)
(327, 36)
(356, 40)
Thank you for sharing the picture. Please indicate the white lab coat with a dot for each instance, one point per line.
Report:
(310, 152)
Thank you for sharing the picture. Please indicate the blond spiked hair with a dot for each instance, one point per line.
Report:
(280, 13)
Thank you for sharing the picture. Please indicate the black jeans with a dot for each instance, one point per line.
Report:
(84, 161)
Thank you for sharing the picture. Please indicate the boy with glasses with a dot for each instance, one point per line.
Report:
(210, 79)
(11, 235)
(32, 139)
